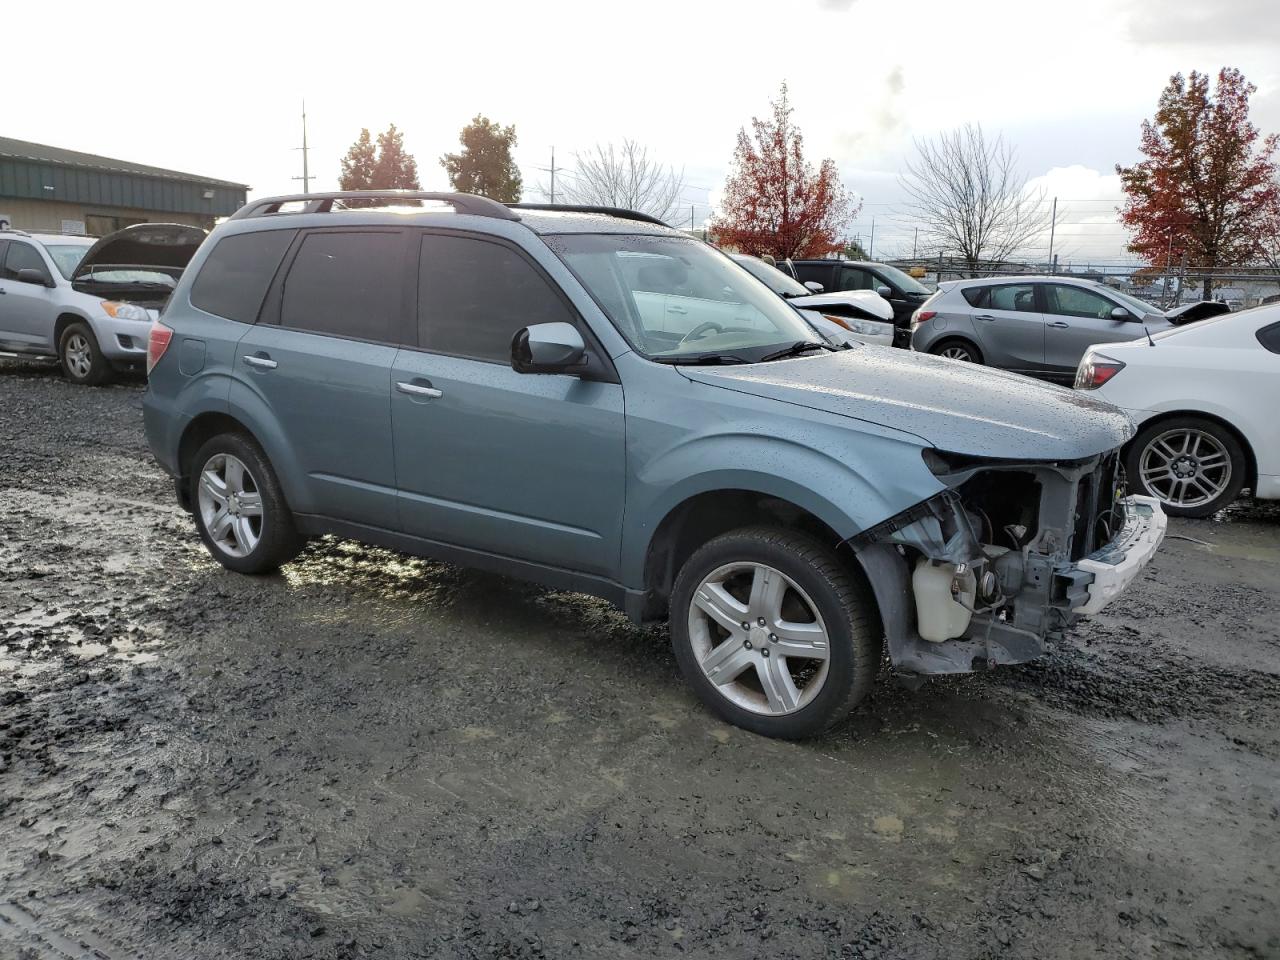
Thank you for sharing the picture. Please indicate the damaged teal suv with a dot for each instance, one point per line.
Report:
(586, 398)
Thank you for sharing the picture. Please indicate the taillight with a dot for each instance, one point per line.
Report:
(922, 316)
(157, 343)
(1095, 371)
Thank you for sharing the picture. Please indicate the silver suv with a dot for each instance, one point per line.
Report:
(1034, 325)
(89, 302)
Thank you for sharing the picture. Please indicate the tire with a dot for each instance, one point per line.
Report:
(957, 349)
(813, 583)
(1193, 466)
(238, 538)
(81, 360)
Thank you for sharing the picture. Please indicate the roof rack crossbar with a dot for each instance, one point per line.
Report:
(467, 203)
(580, 208)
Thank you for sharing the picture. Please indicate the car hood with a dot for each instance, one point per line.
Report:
(167, 247)
(1191, 312)
(866, 302)
(953, 406)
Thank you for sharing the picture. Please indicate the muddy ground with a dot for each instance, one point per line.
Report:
(370, 755)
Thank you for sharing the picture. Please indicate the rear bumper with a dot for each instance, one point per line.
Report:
(1116, 565)
(902, 337)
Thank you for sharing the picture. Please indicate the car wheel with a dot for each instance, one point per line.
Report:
(773, 633)
(957, 350)
(1194, 467)
(239, 509)
(81, 360)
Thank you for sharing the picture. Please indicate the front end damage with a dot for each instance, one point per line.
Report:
(1009, 554)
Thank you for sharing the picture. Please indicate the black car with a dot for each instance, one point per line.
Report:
(904, 293)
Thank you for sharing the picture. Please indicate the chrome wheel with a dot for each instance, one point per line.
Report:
(78, 355)
(1185, 467)
(759, 638)
(956, 352)
(230, 505)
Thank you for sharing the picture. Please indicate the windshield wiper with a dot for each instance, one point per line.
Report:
(708, 359)
(797, 348)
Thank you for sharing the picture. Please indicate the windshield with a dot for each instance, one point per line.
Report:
(1133, 304)
(67, 256)
(677, 300)
(774, 279)
(903, 281)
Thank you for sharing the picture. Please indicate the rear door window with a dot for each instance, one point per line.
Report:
(236, 275)
(473, 295)
(346, 283)
(855, 278)
(1020, 297)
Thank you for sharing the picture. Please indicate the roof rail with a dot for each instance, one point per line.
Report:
(578, 208)
(21, 233)
(467, 203)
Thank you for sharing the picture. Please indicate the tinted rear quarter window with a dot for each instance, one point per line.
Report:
(1269, 337)
(346, 284)
(235, 276)
(977, 296)
(473, 295)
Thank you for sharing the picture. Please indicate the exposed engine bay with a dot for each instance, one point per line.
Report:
(985, 571)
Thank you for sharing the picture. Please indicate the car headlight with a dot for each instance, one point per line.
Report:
(867, 328)
(125, 311)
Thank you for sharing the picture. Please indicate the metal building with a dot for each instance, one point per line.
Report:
(47, 189)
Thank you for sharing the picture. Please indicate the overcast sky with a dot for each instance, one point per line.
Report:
(216, 88)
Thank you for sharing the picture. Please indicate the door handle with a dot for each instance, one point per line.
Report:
(419, 389)
(1059, 325)
(262, 363)
(985, 316)
(679, 310)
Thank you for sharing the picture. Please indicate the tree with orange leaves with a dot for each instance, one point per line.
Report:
(774, 202)
(1207, 189)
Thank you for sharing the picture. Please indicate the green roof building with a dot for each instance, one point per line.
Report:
(47, 189)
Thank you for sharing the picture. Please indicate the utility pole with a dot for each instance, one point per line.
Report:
(553, 174)
(1053, 226)
(915, 236)
(306, 174)
(871, 244)
(1168, 258)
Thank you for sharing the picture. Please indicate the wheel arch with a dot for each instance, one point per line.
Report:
(202, 428)
(705, 515)
(942, 342)
(1251, 460)
(65, 319)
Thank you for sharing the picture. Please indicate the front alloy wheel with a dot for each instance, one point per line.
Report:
(774, 631)
(759, 638)
(81, 360)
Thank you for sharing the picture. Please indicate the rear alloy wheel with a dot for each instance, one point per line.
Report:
(240, 512)
(81, 360)
(1194, 467)
(773, 633)
(958, 350)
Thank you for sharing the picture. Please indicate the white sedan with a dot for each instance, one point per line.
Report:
(1206, 398)
(861, 316)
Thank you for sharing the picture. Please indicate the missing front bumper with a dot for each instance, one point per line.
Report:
(1116, 565)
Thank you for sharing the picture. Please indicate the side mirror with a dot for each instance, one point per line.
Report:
(547, 348)
(1120, 313)
(884, 291)
(32, 275)
(814, 286)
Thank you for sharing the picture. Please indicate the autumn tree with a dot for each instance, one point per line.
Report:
(627, 177)
(385, 167)
(774, 202)
(967, 190)
(1206, 190)
(484, 165)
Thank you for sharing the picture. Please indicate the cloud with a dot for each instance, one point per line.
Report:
(1235, 23)
(839, 6)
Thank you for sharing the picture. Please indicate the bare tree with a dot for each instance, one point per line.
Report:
(968, 192)
(626, 178)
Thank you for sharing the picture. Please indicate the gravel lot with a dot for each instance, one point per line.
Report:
(371, 755)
